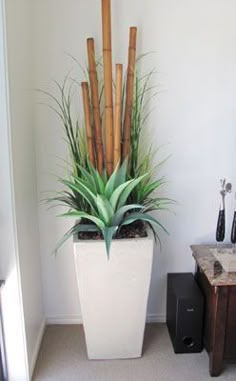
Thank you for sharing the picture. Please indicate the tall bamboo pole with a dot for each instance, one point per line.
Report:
(95, 102)
(107, 65)
(88, 124)
(129, 92)
(118, 114)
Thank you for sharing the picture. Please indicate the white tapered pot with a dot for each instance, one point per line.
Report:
(113, 295)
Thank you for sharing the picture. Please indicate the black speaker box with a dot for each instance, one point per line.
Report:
(185, 308)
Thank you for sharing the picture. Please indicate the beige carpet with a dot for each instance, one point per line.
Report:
(63, 358)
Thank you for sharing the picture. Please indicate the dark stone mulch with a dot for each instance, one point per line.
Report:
(137, 229)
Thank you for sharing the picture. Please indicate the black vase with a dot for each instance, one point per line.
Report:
(220, 230)
(233, 231)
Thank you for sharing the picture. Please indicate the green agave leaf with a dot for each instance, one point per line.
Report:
(105, 210)
(110, 186)
(126, 192)
(119, 215)
(121, 174)
(86, 190)
(100, 184)
(104, 176)
(75, 229)
(89, 178)
(77, 188)
(89, 217)
(143, 217)
(108, 234)
(116, 194)
(82, 181)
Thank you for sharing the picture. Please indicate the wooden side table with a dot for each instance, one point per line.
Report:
(219, 289)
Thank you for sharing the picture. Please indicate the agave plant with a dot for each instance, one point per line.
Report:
(130, 193)
(107, 200)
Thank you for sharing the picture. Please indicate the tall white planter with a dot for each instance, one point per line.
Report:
(113, 295)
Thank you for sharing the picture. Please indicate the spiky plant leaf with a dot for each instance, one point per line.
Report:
(126, 192)
(142, 217)
(97, 221)
(122, 174)
(81, 189)
(105, 210)
(90, 179)
(117, 193)
(74, 230)
(108, 234)
(119, 215)
(110, 185)
(100, 182)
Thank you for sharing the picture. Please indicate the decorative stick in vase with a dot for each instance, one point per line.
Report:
(220, 230)
(129, 92)
(233, 230)
(93, 78)
(107, 67)
(88, 124)
(118, 114)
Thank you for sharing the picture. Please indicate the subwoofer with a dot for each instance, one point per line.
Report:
(185, 309)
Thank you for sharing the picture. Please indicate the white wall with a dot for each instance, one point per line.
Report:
(194, 116)
(19, 43)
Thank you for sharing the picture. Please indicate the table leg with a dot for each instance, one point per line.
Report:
(216, 355)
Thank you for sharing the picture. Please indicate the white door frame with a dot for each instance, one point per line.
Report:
(9, 256)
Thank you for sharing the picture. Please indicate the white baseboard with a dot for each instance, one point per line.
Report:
(67, 319)
(36, 348)
(156, 318)
(151, 318)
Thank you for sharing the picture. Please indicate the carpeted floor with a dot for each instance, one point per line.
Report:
(63, 358)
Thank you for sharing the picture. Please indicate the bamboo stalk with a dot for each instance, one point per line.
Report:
(118, 114)
(107, 67)
(88, 124)
(129, 92)
(95, 103)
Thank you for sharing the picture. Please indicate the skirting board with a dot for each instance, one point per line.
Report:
(37, 347)
(151, 318)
